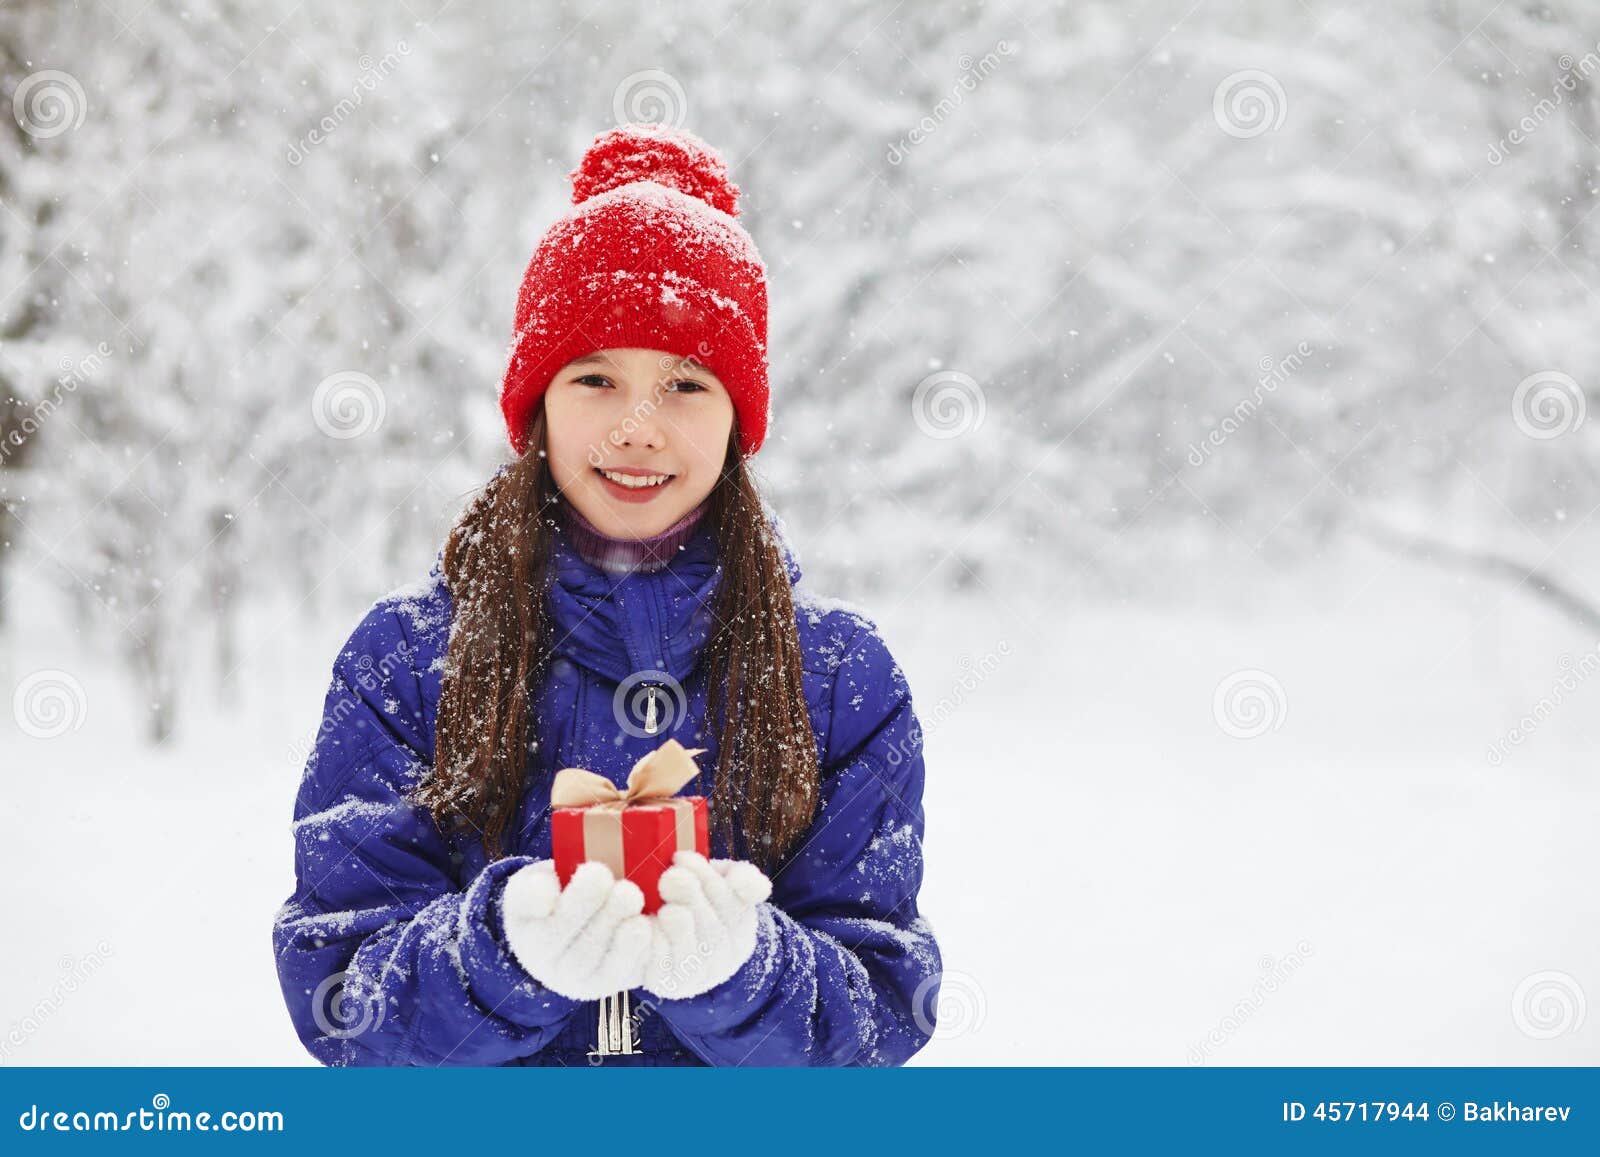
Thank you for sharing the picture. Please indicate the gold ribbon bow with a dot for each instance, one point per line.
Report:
(659, 775)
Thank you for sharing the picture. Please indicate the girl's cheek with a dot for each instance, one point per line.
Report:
(566, 465)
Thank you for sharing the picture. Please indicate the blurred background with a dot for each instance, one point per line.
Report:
(1196, 393)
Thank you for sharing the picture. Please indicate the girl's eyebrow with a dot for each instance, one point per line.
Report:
(686, 365)
(697, 369)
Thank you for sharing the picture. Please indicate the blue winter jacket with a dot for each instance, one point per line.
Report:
(391, 949)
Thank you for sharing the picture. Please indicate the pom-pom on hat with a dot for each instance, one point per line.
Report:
(652, 257)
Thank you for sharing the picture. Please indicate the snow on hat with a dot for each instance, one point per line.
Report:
(651, 258)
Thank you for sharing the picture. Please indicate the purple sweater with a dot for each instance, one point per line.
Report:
(620, 555)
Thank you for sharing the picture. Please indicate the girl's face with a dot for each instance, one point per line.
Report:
(658, 420)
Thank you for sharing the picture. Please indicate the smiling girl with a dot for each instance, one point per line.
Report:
(618, 583)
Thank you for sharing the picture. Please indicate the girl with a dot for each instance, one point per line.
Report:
(618, 584)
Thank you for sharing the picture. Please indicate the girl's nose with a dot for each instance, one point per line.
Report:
(641, 427)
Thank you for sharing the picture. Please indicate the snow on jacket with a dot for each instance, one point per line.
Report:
(391, 949)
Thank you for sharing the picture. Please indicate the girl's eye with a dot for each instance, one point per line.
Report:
(684, 386)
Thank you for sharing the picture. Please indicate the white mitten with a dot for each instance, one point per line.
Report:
(706, 925)
(584, 941)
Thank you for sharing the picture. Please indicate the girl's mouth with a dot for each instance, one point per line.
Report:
(636, 487)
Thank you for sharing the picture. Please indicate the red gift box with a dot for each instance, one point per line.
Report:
(634, 830)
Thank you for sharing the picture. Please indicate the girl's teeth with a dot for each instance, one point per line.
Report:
(636, 481)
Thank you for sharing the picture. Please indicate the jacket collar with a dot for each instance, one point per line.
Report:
(648, 626)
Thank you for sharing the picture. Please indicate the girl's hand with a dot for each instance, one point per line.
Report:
(706, 925)
(584, 941)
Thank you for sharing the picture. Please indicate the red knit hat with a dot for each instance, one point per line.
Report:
(651, 258)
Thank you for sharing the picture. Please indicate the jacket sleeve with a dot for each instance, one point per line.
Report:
(845, 970)
(383, 959)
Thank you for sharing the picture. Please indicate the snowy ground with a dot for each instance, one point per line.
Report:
(1109, 873)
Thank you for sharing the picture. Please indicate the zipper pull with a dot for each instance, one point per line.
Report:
(651, 724)
(615, 1034)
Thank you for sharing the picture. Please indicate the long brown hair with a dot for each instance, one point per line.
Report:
(496, 564)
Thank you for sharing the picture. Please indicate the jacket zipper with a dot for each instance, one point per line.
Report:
(654, 637)
(615, 1035)
(615, 1030)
